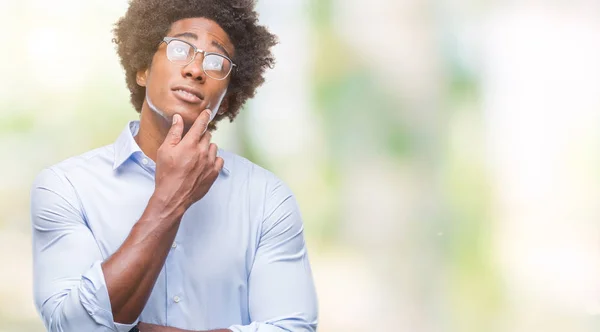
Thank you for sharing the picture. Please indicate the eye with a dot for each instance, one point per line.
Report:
(178, 51)
(214, 62)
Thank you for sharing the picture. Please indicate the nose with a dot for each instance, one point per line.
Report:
(194, 69)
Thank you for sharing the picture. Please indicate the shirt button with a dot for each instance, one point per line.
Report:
(174, 245)
(145, 161)
(176, 299)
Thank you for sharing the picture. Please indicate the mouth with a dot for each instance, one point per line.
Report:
(188, 94)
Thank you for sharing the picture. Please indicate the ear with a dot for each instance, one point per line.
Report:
(141, 77)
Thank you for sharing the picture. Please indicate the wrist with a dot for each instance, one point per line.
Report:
(166, 207)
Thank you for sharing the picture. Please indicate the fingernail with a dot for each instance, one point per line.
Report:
(175, 119)
(209, 112)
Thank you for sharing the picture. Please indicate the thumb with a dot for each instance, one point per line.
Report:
(174, 135)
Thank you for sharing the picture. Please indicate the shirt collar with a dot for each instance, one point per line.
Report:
(125, 146)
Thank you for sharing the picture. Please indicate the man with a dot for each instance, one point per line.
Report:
(161, 231)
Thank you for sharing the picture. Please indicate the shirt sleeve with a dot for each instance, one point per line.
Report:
(69, 286)
(282, 295)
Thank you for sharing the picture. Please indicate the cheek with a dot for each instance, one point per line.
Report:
(158, 81)
(160, 73)
(219, 89)
(217, 98)
(218, 93)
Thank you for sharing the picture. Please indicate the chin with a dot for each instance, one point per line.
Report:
(189, 117)
(188, 111)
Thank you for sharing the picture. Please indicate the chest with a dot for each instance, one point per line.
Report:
(220, 232)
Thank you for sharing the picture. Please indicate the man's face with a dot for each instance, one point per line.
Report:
(187, 90)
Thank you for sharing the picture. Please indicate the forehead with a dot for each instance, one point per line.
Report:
(206, 30)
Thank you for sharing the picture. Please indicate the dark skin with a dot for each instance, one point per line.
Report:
(186, 166)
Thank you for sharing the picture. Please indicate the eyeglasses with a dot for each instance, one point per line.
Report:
(215, 65)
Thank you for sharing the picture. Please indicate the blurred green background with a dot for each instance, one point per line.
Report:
(444, 153)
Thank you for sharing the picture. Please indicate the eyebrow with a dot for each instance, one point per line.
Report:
(194, 36)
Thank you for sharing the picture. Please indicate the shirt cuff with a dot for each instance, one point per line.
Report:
(125, 327)
(96, 301)
(255, 327)
(243, 328)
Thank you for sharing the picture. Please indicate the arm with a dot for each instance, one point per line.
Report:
(133, 269)
(71, 295)
(64, 247)
(131, 272)
(281, 291)
(144, 327)
(69, 287)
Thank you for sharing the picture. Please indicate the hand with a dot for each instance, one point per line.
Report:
(145, 327)
(186, 167)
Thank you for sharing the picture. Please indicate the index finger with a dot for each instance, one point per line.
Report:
(200, 125)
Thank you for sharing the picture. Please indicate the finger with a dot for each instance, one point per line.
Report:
(212, 153)
(200, 125)
(219, 162)
(204, 143)
(174, 135)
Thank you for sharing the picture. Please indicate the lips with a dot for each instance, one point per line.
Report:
(188, 94)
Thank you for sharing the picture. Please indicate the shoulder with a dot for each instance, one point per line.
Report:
(83, 165)
(276, 199)
(242, 170)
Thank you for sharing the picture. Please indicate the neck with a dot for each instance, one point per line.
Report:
(152, 132)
